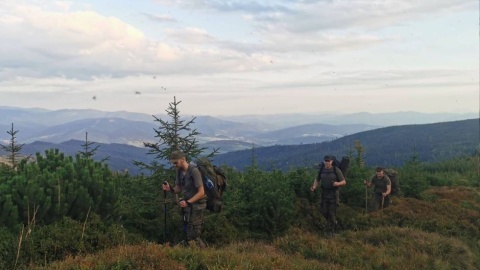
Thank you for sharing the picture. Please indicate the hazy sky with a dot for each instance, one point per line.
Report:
(241, 57)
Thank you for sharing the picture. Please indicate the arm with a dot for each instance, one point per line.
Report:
(342, 179)
(389, 186)
(315, 185)
(175, 189)
(368, 183)
(340, 184)
(200, 193)
(389, 189)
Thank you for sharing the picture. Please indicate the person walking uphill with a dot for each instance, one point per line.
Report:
(189, 182)
(381, 190)
(329, 182)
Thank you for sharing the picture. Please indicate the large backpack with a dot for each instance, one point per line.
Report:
(342, 165)
(395, 187)
(214, 183)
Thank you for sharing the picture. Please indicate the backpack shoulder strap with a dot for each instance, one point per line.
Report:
(338, 171)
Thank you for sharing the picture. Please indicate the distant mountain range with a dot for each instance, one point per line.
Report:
(389, 146)
(276, 140)
(135, 129)
(227, 133)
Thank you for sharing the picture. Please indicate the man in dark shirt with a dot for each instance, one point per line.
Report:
(381, 190)
(189, 182)
(329, 180)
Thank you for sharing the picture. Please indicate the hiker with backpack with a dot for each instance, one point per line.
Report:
(329, 178)
(193, 204)
(381, 190)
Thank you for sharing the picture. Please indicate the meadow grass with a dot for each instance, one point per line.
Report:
(440, 231)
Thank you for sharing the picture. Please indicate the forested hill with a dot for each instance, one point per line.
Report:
(390, 146)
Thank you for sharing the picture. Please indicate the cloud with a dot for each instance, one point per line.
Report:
(160, 18)
(233, 49)
(190, 35)
(85, 44)
(337, 15)
(311, 16)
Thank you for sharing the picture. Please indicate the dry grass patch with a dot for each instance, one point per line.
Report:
(382, 248)
(145, 256)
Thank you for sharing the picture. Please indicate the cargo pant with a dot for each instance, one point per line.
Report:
(328, 208)
(193, 222)
(377, 202)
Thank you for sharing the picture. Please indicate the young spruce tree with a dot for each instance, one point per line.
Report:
(175, 134)
(12, 148)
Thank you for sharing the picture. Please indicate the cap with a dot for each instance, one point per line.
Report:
(177, 155)
(328, 157)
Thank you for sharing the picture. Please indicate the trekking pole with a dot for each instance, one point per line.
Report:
(383, 200)
(366, 199)
(165, 217)
(185, 225)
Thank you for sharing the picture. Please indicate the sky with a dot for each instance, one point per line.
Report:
(237, 57)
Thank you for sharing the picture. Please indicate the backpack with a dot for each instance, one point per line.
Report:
(342, 165)
(392, 174)
(214, 182)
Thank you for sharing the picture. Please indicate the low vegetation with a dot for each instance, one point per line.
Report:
(435, 229)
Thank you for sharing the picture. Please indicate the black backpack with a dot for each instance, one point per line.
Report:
(395, 187)
(214, 183)
(342, 165)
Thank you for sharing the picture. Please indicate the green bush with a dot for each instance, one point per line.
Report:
(8, 248)
(45, 244)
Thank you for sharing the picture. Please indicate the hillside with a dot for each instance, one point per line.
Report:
(390, 146)
(214, 132)
(378, 119)
(120, 156)
(439, 233)
(101, 130)
(236, 132)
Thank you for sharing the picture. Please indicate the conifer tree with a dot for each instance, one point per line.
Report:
(174, 134)
(13, 148)
(413, 178)
(88, 151)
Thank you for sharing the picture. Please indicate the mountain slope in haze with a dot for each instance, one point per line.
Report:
(214, 132)
(376, 119)
(312, 133)
(390, 146)
(120, 156)
(43, 117)
(100, 130)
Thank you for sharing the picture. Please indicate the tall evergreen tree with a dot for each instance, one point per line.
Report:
(176, 134)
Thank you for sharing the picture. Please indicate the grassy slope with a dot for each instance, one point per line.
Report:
(442, 231)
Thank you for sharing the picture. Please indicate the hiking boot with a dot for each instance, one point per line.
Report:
(182, 243)
(199, 243)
